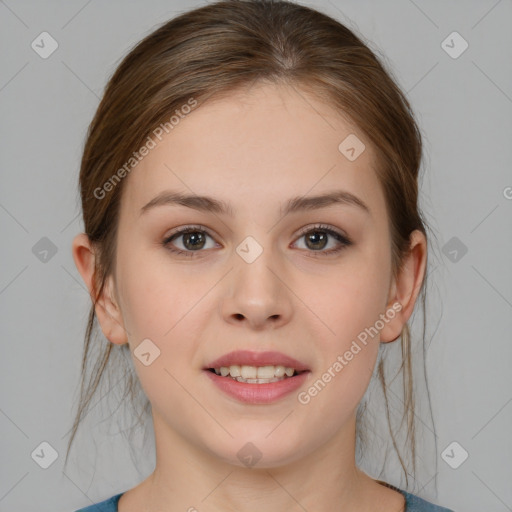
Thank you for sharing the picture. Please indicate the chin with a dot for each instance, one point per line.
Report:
(259, 450)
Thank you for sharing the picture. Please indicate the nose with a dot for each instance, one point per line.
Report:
(258, 294)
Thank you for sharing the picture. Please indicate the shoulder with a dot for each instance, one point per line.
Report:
(109, 505)
(416, 504)
(413, 504)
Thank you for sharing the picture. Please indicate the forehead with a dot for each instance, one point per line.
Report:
(266, 144)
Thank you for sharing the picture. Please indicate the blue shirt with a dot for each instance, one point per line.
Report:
(412, 504)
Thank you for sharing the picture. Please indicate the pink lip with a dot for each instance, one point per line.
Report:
(248, 358)
(257, 393)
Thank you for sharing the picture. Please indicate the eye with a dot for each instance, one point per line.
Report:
(318, 238)
(194, 238)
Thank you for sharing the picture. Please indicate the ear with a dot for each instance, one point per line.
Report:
(406, 287)
(107, 311)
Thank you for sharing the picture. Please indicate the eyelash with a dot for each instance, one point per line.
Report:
(342, 239)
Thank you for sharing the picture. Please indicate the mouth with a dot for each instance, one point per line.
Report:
(257, 390)
(257, 377)
(256, 374)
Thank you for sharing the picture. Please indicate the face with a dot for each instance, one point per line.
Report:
(260, 277)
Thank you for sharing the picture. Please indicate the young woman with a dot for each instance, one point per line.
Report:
(252, 237)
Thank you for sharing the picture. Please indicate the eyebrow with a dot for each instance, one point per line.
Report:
(295, 204)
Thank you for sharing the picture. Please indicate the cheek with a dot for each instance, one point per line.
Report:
(157, 298)
(348, 306)
(167, 310)
(347, 357)
(349, 301)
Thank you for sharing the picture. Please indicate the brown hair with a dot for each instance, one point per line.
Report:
(210, 52)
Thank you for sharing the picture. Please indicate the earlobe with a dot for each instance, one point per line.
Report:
(406, 288)
(107, 310)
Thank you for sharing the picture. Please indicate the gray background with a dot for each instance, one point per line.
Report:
(464, 106)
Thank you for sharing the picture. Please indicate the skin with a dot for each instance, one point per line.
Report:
(254, 149)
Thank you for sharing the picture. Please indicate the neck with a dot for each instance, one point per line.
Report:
(189, 478)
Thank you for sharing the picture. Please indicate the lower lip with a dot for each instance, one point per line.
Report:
(257, 393)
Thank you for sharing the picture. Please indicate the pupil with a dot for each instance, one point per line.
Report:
(193, 238)
(315, 237)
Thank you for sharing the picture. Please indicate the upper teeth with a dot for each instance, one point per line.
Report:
(254, 372)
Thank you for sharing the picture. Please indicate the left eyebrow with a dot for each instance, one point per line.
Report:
(295, 204)
(321, 201)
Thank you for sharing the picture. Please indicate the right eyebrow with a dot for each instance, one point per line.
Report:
(201, 203)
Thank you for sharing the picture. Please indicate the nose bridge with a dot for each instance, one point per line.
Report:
(257, 290)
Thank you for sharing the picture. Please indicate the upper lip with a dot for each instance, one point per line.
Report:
(249, 358)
